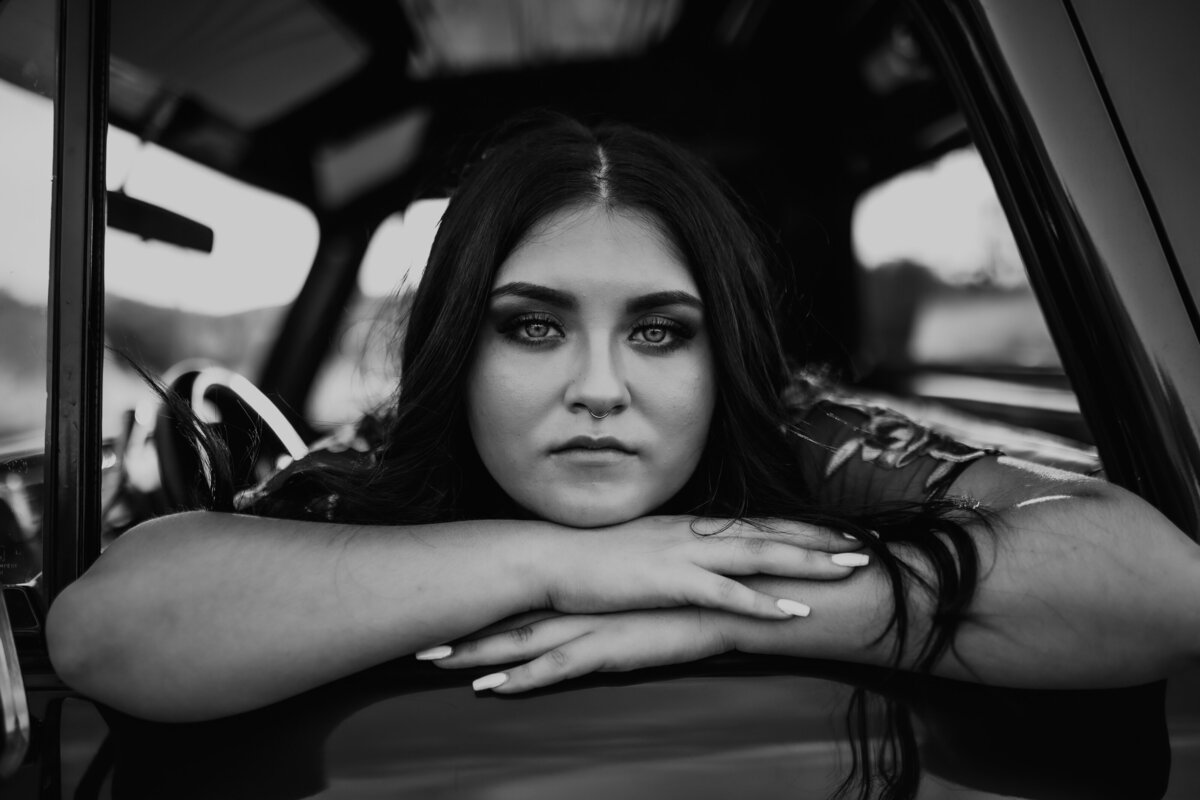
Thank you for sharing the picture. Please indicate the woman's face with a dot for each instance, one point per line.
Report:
(593, 314)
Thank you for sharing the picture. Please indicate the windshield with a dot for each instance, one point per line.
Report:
(164, 303)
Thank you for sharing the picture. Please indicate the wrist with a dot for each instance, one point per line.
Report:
(534, 561)
(730, 630)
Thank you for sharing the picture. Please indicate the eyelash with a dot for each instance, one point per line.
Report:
(513, 329)
(678, 334)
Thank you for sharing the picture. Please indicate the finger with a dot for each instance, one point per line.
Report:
(726, 594)
(741, 555)
(618, 643)
(520, 643)
(814, 537)
(569, 660)
(802, 534)
(509, 623)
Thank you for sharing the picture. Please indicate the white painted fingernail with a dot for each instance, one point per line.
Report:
(851, 559)
(435, 653)
(793, 608)
(489, 681)
(850, 536)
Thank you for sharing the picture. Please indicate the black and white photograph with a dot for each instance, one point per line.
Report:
(600, 399)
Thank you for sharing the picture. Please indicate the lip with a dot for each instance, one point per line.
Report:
(597, 444)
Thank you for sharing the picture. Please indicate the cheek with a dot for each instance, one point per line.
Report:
(502, 404)
(682, 405)
(698, 413)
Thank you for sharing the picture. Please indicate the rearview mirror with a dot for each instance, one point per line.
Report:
(154, 222)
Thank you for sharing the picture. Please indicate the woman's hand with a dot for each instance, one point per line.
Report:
(663, 562)
(557, 648)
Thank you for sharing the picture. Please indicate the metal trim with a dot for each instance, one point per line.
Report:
(75, 341)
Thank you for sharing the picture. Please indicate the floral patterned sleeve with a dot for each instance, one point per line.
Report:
(291, 491)
(862, 454)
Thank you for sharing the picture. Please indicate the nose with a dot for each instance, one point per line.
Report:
(599, 385)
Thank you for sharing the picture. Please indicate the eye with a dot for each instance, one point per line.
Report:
(655, 335)
(660, 333)
(536, 329)
(532, 329)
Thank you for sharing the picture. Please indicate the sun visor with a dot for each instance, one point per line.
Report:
(248, 62)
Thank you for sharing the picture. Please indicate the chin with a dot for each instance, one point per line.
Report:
(588, 513)
(593, 505)
(589, 517)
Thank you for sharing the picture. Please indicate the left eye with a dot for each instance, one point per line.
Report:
(536, 329)
(659, 332)
(654, 334)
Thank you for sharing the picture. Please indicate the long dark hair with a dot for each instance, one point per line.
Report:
(426, 469)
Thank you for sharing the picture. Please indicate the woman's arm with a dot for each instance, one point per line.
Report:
(204, 614)
(1083, 585)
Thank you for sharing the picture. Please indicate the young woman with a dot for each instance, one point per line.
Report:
(598, 450)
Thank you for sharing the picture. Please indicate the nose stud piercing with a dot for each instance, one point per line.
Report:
(599, 416)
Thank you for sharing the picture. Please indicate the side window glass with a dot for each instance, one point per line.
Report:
(363, 366)
(947, 309)
(27, 81)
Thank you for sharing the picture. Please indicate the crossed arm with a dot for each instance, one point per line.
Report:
(203, 615)
(1083, 585)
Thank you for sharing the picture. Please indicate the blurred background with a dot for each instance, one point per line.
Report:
(942, 280)
(940, 283)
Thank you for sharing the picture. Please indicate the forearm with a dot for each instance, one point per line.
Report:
(1088, 587)
(1081, 584)
(204, 614)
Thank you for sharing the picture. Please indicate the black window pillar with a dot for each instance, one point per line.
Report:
(71, 530)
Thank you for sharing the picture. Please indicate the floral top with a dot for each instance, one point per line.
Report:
(349, 441)
(857, 453)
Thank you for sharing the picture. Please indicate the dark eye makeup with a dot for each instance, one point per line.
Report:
(652, 333)
(533, 329)
(661, 333)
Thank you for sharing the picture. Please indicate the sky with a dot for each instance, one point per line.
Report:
(944, 216)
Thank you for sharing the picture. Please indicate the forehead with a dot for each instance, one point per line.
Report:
(597, 245)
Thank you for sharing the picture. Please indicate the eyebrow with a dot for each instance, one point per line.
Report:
(567, 301)
(654, 300)
(533, 291)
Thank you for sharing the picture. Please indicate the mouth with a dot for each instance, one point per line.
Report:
(598, 445)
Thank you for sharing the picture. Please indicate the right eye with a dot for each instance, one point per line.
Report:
(533, 329)
(536, 330)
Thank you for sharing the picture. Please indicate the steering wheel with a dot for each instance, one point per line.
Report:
(234, 409)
